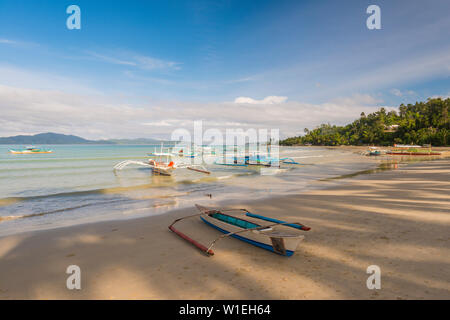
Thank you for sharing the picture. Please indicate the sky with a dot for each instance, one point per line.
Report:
(146, 68)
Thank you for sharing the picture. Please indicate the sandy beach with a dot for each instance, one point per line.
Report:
(396, 219)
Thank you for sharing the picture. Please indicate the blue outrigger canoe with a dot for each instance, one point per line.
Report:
(269, 237)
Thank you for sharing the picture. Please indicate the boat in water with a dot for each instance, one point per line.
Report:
(412, 150)
(255, 160)
(162, 168)
(374, 151)
(30, 150)
(274, 236)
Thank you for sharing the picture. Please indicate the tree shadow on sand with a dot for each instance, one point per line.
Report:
(370, 221)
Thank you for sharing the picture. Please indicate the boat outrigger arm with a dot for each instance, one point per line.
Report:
(265, 162)
(193, 167)
(208, 249)
(289, 161)
(125, 163)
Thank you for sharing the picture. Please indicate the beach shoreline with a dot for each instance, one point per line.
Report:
(396, 219)
(84, 189)
(82, 192)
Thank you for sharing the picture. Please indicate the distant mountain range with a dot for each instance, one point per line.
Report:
(56, 138)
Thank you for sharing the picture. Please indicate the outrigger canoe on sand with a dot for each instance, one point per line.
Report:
(273, 236)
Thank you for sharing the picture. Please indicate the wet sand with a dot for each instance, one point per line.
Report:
(398, 220)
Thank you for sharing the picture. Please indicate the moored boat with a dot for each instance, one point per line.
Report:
(412, 150)
(275, 237)
(413, 153)
(374, 151)
(30, 150)
(161, 167)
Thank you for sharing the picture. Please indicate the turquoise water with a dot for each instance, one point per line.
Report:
(77, 184)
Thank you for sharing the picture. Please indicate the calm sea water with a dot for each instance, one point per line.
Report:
(77, 184)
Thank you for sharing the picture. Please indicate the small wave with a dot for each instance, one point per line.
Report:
(56, 168)
(114, 190)
(5, 218)
(169, 200)
(216, 178)
(31, 215)
(100, 191)
(41, 160)
(9, 201)
(225, 177)
(304, 157)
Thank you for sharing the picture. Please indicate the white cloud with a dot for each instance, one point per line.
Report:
(7, 41)
(135, 60)
(164, 123)
(239, 80)
(400, 93)
(420, 67)
(111, 59)
(266, 100)
(32, 111)
(21, 78)
(149, 63)
(442, 96)
(17, 43)
(394, 63)
(357, 99)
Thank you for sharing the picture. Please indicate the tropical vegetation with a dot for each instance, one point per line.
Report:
(419, 123)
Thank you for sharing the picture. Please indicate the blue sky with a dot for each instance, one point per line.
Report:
(144, 68)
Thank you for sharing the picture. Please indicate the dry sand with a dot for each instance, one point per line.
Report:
(398, 220)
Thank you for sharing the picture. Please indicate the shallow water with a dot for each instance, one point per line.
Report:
(77, 184)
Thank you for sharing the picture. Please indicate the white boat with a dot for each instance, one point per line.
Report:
(162, 168)
(30, 150)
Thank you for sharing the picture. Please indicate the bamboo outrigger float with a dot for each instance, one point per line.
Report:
(263, 236)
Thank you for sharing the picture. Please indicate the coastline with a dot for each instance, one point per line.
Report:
(396, 219)
(81, 188)
(444, 149)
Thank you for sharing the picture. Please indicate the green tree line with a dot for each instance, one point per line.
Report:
(421, 123)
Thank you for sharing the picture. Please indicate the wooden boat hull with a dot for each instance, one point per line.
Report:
(28, 152)
(413, 154)
(230, 164)
(282, 245)
(161, 171)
